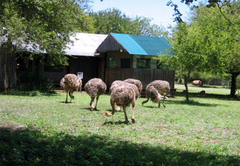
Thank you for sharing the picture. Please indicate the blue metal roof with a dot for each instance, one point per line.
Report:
(142, 45)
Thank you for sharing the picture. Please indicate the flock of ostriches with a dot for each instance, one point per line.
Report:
(122, 93)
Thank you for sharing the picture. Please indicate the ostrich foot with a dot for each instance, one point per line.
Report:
(133, 121)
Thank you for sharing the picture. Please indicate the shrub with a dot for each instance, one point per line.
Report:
(29, 82)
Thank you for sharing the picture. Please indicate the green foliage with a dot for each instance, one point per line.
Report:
(184, 56)
(38, 27)
(210, 42)
(110, 20)
(143, 26)
(29, 82)
(220, 37)
(185, 50)
(44, 25)
(114, 21)
(43, 130)
(211, 3)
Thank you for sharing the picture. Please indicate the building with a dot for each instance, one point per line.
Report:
(111, 57)
(81, 58)
(125, 56)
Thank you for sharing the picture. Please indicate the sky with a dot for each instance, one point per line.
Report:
(155, 9)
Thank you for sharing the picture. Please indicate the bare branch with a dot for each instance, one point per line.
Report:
(220, 9)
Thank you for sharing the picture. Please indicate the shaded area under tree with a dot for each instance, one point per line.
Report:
(20, 146)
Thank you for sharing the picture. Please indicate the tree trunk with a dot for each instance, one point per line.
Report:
(7, 67)
(233, 83)
(186, 78)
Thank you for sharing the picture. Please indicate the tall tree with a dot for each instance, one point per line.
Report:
(114, 21)
(110, 20)
(36, 25)
(143, 26)
(210, 43)
(184, 56)
(220, 34)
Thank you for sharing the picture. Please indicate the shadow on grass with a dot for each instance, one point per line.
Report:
(148, 106)
(89, 109)
(63, 102)
(29, 93)
(191, 102)
(31, 147)
(182, 102)
(116, 123)
(207, 95)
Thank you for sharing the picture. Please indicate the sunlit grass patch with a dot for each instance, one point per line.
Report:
(43, 129)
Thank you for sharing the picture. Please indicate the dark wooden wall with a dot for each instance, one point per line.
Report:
(144, 75)
(87, 65)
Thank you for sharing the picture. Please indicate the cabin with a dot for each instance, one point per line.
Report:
(81, 58)
(123, 56)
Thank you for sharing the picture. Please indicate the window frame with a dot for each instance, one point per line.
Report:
(114, 61)
(148, 63)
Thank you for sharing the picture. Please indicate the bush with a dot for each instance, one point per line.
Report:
(29, 82)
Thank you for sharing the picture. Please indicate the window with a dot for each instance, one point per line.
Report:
(112, 63)
(125, 63)
(143, 63)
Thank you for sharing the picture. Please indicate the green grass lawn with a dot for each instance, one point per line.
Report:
(208, 89)
(43, 130)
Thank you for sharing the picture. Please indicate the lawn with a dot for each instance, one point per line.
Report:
(43, 130)
(218, 90)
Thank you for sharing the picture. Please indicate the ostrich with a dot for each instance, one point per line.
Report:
(136, 82)
(70, 83)
(95, 87)
(117, 83)
(153, 94)
(161, 86)
(123, 95)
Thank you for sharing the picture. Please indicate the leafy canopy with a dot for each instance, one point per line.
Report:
(220, 36)
(114, 21)
(44, 25)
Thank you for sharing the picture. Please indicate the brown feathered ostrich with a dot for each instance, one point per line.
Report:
(70, 83)
(94, 88)
(136, 82)
(158, 86)
(123, 95)
(152, 93)
(117, 83)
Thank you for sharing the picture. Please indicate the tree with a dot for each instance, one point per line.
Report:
(184, 56)
(111, 20)
(211, 3)
(36, 25)
(220, 34)
(209, 43)
(143, 26)
(114, 21)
